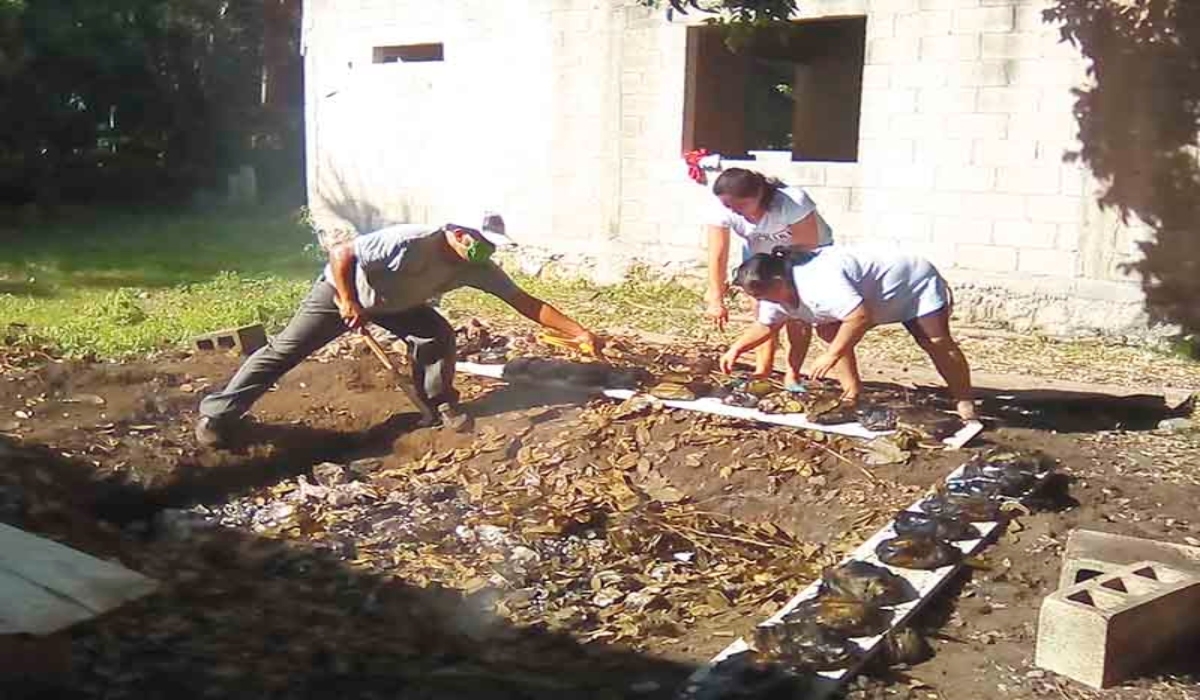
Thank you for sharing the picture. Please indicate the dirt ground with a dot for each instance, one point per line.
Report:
(99, 455)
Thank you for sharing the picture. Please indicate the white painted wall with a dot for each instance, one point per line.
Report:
(566, 116)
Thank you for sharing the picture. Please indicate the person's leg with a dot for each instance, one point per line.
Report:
(932, 333)
(799, 337)
(314, 324)
(846, 368)
(432, 352)
(764, 355)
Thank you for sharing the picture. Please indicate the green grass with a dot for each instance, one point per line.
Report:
(116, 284)
(113, 284)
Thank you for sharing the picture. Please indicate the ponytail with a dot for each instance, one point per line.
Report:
(762, 271)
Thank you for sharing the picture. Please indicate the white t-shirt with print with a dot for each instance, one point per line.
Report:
(788, 206)
(895, 288)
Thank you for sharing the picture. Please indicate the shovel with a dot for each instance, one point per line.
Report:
(409, 392)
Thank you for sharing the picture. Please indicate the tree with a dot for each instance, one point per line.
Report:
(1138, 126)
(111, 98)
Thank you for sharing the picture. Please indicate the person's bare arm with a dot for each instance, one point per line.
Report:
(750, 338)
(851, 330)
(718, 266)
(343, 264)
(546, 315)
(805, 232)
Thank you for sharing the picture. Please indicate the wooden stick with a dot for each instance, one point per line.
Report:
(409, 392)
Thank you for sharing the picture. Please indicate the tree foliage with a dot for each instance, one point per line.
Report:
(1138, 126)
(100, 98)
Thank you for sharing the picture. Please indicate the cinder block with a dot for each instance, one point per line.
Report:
(1102, 631)
(984, 19)
(989, 258)
(245, 339)
(1039, 261)
(1092, 550)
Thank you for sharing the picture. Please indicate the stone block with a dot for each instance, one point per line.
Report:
(1026, 234)
(1008, 100)
(924, 23)
(876, 77)
(1056, 263)
(947, 100)
(1092, 550)
(952, 47)
(1058, 208)
(979, 126)
(979, 74)
(1014, 152)
(967, 178)
(928, 74)
(1102, 631)
(893, 50)
(990, 258)
(983, 19)
(1015, 45)
(1029, 179)
(245, 339)
(962, 229)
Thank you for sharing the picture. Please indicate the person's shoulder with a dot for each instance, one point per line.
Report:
(403, 231)
(793, 195)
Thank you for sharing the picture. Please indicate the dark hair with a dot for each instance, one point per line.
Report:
(739, 182)
(760, 272)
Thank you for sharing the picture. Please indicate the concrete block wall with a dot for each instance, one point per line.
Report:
(567, 115)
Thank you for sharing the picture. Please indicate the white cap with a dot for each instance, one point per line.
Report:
(493, 231)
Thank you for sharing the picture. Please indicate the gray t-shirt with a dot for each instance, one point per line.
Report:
(405, 265)
(895, 287)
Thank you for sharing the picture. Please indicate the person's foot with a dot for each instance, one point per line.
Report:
(455, 419)
(449, 415)
(792, 382)
(213, 433)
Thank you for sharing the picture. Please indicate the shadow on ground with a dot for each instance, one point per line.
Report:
(244, 616)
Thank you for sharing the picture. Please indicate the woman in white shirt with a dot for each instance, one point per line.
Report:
(844, 292)
(764, 214)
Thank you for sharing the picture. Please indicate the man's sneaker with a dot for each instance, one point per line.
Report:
(212, 433)
(455, 419)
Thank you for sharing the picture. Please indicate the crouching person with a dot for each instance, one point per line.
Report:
(844, 292)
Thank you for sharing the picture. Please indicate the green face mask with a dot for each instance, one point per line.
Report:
(479, 251)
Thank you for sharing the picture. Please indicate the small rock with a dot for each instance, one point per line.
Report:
(349, 493)
(640, 599)
(644, 687)
(523, 556)
(278, 512)
(363, 468)
(1035, 674)
(306, 491)
(607, 596)
(490, 534)
(329, 474)
(88, 399)
(187, 388)
(1175, 425)
(23, 414)
(521, 598)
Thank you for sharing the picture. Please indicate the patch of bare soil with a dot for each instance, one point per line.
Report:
(569, 547)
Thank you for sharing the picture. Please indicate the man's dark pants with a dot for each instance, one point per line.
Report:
(430, 340)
